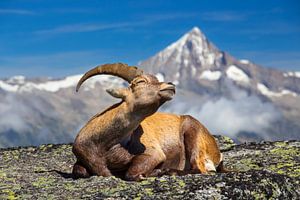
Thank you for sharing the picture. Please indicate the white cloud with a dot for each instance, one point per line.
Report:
(286, 60)
(73, 28)
(52, 64)
(143, 20)
(228, 116)
(224, 16)
(16, 12)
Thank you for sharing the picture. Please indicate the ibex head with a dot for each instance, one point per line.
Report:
(145, 92)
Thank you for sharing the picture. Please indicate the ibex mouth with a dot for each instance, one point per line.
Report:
(167, 92)
(169, 88)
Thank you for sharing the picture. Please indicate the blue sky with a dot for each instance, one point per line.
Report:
(63, 37)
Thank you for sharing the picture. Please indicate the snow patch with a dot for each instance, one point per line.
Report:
(176, 82)
(193, 70)
(8, 87)
(210, 59)
(288, 92)
(185, 62)
(160, 77)
(236, 74)
(244, 61)
(292, 74)
(211, 75)
(16, 80)
(54, 86)
(196, 30)
(267, 92)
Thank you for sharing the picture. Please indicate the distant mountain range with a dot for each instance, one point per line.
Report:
(232, 97)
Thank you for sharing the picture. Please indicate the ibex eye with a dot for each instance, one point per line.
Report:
(141, 81)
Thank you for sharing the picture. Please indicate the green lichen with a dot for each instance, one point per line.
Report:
(247, 164)
(287, 161)
(225, 143)
(2, 174)
(43, 182)
(45, 173)
(280, 144)
(9, 194)
(69, 186)
(285, 152)
(148, 191)
(39, 169)
(181, 183)
(258, 195)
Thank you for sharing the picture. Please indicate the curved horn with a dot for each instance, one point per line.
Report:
(121, 70)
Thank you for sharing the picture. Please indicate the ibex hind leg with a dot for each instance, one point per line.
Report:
(192, 142)
(222, 169)
(79, 171)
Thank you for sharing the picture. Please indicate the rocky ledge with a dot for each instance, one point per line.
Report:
(265, 170)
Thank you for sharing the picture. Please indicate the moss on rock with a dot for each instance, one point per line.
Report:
(266, 170)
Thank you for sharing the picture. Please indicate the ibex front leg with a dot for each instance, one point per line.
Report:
(91, 159)
(143, 165)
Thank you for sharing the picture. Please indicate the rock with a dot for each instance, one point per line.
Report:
(265, 170)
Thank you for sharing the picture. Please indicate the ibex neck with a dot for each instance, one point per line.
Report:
(130, 116)
(123, 121)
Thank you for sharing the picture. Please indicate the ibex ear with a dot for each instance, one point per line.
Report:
(118, 93)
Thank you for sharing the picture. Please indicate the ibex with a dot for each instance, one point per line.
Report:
(132, 139)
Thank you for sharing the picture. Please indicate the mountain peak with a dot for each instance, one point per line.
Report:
(195, 31)
(191, 54)
(194, 36)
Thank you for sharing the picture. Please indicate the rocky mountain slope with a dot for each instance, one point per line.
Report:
(266, 170)
(230, 96)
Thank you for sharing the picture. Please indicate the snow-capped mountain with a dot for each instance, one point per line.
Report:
(233, 92)
(35, 111)
(19, 84)
(230, 96)
(194, 59)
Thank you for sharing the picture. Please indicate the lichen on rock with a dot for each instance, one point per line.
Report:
(266, 170)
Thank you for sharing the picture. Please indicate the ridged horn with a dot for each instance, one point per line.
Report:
(121, 70)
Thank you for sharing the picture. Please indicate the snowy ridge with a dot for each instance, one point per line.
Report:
(18, 84)
(292, 74)
(244, 61)
(16, 80)
(53, 86)
(160, 77)
(267, 92)
(7, 87)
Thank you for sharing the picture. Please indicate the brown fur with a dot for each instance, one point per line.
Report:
(117, 128)
(132, 141)
(172, 143)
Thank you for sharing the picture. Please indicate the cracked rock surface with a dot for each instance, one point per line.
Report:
(266, 170)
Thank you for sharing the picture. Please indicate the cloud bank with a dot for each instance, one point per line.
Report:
(229, 116)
